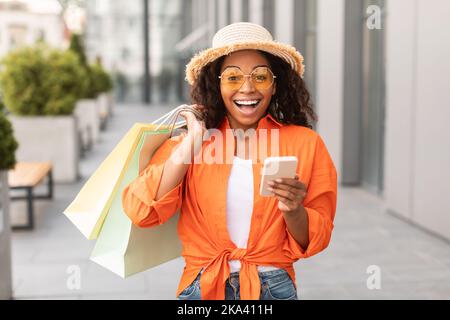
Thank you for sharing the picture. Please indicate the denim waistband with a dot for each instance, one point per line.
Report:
(261, 274)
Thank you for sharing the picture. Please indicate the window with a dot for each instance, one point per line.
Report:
(17, 35)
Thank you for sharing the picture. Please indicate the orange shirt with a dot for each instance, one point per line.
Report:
(202, 226)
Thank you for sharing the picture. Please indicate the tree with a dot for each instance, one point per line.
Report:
(77, 46)
(42, 81)
(8, 144)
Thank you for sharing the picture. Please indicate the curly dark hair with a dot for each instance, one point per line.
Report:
(291, 103)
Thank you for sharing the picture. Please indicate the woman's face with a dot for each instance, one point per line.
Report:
(247, 104)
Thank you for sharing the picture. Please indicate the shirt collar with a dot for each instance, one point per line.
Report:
(269, 116)
(266, 122)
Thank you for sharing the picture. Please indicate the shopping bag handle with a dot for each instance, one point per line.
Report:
(165, 118)
(174, 117)
(171, 117)
(173, 122)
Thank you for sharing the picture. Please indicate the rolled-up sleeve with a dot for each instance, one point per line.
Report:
(320, 205)
(138, 197)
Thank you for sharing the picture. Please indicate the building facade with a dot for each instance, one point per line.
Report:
(21, 25)
(383, 98)
(115, 32)
(289, 21)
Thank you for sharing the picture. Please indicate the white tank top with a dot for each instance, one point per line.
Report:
(240, 207)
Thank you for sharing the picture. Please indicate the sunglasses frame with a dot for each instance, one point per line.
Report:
(250, 76)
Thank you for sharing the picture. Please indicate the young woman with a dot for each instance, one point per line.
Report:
(236, 243)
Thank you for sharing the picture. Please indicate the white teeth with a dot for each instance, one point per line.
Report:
(247, 102)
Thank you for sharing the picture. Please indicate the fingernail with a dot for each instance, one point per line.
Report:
(278, 180)
(271, 183)
(270, 189)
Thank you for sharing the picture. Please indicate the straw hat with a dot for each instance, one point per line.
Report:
(242, 36)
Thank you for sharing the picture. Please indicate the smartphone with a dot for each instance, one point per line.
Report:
(276, 167)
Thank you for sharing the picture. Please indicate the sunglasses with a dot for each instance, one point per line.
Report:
(232, 78)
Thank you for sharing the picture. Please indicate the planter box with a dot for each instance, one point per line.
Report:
(52, 138)
(86, 111)
(5, 239)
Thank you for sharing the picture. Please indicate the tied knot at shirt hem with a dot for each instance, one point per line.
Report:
(237, 254)
(214, 277)
(216, 273)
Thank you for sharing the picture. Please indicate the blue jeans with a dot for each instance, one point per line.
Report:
(275, 285)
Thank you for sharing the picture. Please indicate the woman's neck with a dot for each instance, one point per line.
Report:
(235, 125)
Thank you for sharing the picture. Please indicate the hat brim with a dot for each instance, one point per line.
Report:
(286, 52)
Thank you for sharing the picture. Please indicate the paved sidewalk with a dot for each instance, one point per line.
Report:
(413, 263)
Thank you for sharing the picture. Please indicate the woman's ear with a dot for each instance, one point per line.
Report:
(274, 90)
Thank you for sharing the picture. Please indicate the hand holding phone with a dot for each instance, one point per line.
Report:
(274, 168)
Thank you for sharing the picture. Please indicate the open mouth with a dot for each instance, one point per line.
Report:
(247, 107)
(247, 103)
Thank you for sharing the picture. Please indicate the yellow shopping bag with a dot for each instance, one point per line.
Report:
(122, 247)
(97, 210)
(88, 210)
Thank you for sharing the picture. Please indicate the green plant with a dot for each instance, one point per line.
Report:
(65, 83)
(97, 79)
(41, 81)
(8, 144)
(91, 91)
(102, 79)
(20, 79)
(77, 47)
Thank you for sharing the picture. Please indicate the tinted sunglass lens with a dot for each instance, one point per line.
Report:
(233, 78)
(262, 78)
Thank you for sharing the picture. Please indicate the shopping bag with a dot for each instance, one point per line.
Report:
(122, 247)
(90, 207)
(97, 209)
